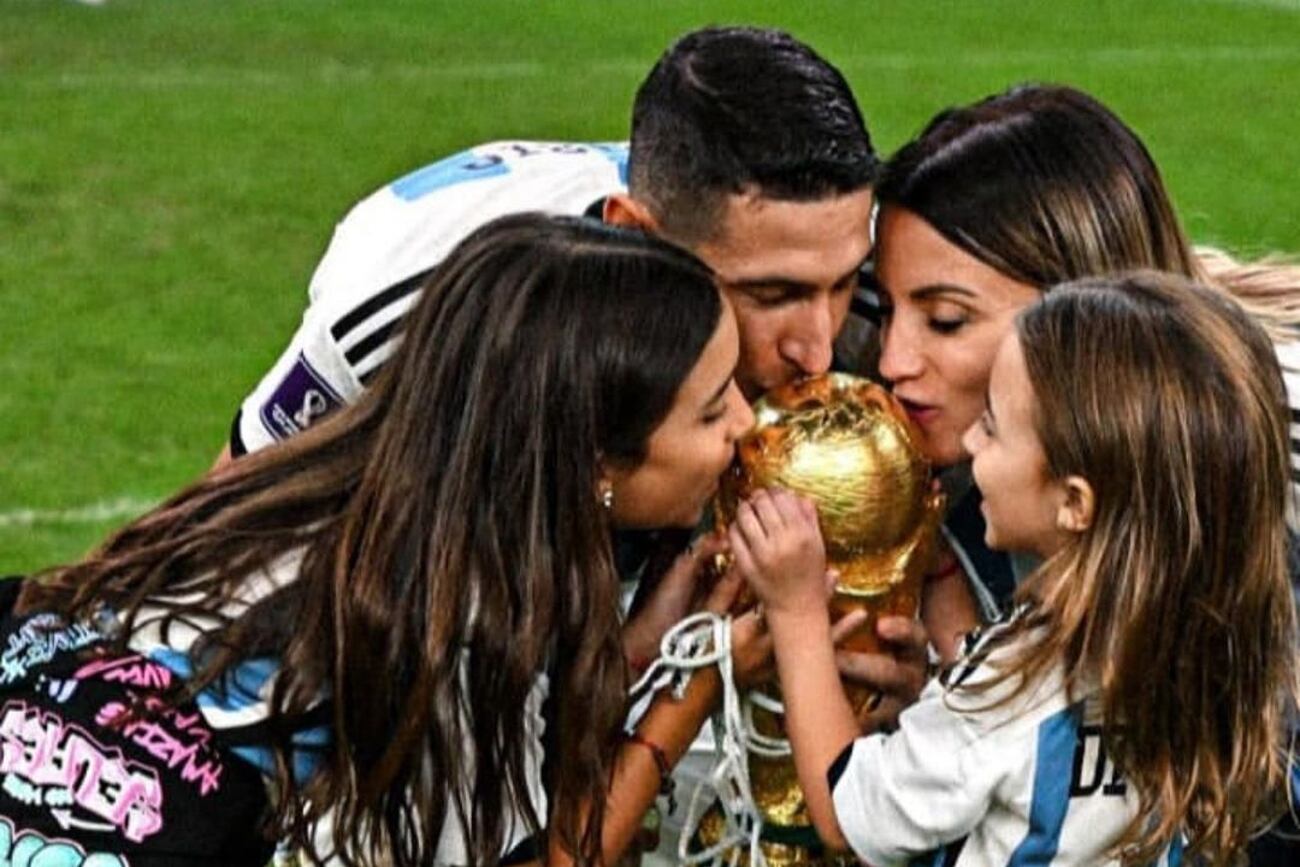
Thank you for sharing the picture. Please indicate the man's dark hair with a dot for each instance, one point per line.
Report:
(726, 110)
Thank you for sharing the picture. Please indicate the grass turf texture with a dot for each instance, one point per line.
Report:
(170, 172)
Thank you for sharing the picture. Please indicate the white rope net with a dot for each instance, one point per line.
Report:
(700, 641)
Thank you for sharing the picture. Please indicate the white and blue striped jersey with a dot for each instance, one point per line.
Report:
(383, 249)
(962, 783)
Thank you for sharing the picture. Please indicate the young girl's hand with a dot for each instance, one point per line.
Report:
(778, 549)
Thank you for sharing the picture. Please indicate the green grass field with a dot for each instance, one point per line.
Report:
(171, 169)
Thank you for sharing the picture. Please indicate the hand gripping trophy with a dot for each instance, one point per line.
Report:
(844, 443)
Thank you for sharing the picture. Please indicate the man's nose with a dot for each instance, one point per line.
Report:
(809, 347)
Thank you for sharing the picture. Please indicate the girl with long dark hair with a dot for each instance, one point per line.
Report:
(406, 618)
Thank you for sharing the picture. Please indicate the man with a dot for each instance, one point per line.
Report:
(747, 149)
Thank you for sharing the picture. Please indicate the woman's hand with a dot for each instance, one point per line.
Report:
(778, 548)
(677, 594)
(947, 605)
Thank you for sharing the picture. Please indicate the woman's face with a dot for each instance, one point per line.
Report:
(946, 314)
(692, 445)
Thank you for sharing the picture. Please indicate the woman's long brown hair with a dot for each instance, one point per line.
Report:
(1175, 604)
(1045, 184)
(452, 545)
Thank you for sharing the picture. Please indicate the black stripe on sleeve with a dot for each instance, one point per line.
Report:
(237, 447)
(375, 303)
(836, 770)
(372, 341)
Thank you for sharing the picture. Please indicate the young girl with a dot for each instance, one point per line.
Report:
(1132, 707)
(405, 619)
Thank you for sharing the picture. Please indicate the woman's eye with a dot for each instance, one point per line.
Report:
(713, 416)
(986, 424)
(945, 326)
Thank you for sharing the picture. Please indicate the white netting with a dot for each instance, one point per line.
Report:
(699, 641)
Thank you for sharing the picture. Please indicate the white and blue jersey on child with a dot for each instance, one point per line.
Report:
(1025, 782)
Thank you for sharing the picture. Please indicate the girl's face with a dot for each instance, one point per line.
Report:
(692, 445)
(1022, 502)
(945, 314)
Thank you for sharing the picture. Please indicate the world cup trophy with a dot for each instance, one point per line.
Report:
(846, 444)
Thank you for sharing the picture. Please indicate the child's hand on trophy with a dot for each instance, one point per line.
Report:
(778, 549)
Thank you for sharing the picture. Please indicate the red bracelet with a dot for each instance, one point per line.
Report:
(951, 568)
(638, 664)
(667, 785)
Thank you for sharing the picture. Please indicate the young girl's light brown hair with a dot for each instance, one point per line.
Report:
(1174, 606)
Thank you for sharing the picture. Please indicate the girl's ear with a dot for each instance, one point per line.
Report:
(1076, 510)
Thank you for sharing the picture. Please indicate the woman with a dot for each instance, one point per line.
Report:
(407, 617)
(990, 205)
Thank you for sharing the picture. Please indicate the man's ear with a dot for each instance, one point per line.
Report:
(1076, 510)
(625, 211)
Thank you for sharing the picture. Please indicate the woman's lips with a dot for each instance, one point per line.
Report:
(921, 413)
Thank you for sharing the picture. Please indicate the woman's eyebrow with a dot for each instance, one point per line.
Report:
(933, 290)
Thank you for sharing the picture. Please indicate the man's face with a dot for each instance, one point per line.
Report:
(789, 269)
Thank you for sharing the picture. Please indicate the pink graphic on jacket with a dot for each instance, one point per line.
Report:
(134, 670)
(177, 738)
(46, 760)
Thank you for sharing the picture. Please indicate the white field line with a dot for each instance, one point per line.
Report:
(334, 73)
(91, 513)
(1289, 5)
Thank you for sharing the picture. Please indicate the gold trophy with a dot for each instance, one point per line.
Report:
(846, 444)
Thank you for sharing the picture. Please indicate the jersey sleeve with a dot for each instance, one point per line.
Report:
(311, 378)
(1288, 356)
(384, 249)
(900, 795)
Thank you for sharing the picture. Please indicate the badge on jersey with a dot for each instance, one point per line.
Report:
(302, 398)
